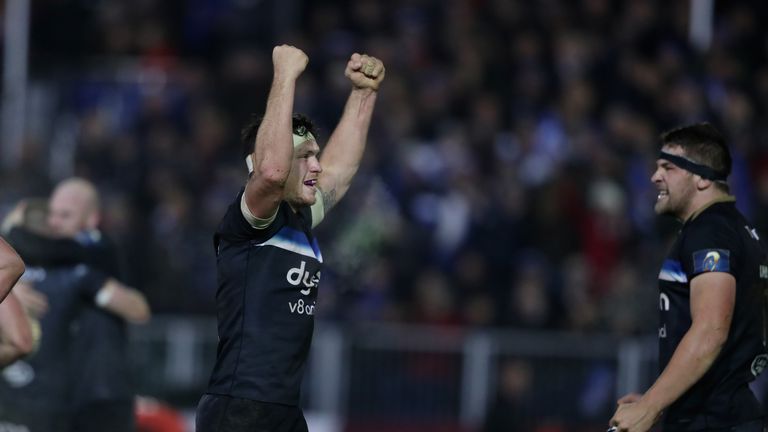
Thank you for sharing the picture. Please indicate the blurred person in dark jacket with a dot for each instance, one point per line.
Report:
(101, 394)
(511, 409)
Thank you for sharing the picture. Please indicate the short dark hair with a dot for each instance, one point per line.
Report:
(301, 126)
(702, 143)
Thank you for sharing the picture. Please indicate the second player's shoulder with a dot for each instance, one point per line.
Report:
(718, 219)
(710, 232)
(711, 239)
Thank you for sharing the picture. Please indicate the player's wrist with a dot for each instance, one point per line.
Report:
(284, 80)
(651, 406)
(371, 88)
(364, 92)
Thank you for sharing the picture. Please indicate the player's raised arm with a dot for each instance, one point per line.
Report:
(11, 268)
(273, 147)
(341, 156)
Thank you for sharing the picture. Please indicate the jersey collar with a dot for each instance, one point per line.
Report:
(724, 199)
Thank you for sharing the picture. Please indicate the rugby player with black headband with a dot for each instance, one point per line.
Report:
(711, 297)
(269, 262)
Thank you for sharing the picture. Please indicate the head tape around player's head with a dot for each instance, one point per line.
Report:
(297, 141)
(703, 171)
(301, 135)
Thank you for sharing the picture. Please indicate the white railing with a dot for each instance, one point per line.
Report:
(414, 372)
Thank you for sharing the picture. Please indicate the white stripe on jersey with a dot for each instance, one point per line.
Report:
(292, 246)
(672, 276)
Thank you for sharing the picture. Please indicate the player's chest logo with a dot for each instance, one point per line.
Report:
(305, 280)
(300, 277)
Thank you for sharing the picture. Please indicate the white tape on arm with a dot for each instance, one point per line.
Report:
(252, 220)
(104, 296)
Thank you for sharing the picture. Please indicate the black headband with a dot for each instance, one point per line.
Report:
(702, 170)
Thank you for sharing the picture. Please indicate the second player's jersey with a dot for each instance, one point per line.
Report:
(100, 356)
(718, 239)
(42, 382)
(268, 281)
(100, 368)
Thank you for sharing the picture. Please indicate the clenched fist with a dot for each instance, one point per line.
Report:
(364, 71)
(289, 61)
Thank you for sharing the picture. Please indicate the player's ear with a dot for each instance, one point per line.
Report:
(703, 184)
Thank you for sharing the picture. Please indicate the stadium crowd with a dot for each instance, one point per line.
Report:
(506, 181)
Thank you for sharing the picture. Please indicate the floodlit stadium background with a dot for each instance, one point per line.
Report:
(493, 266)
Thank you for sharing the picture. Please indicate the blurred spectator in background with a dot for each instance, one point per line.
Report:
(512, 128)
(84, 311)
(512, 408)
(41, 393)
(506, 184)
(103, 397)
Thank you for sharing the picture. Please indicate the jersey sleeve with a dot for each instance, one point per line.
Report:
(38, 250)
(252, 220)
(710, 245)
(90, 281)
(235, 227)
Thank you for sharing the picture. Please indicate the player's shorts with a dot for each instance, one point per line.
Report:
(218, 413)
(112, 416)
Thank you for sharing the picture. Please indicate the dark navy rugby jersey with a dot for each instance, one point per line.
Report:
(718, 239)
(42, 382)
(100, 362)
(265, 304)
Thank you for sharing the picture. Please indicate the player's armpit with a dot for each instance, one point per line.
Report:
(329, 197)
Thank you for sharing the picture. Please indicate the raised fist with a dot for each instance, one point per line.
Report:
(364, 71)
(289, 61)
